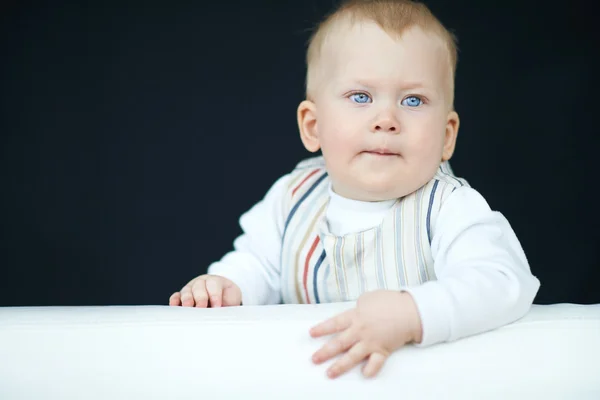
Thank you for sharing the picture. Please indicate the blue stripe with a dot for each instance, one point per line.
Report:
(419, 246)
(431, 197)
(457, 180)
(295, 208)
(451, 175)
(317, 266)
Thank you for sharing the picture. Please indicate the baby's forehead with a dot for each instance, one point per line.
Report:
(348, 35)
(368, 45)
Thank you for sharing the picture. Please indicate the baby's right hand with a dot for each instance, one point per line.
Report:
(208, 291)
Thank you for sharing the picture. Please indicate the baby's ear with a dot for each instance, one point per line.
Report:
(307, 123)
(452, 124)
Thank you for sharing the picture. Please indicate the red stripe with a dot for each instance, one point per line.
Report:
(310, 253)
(304, 180)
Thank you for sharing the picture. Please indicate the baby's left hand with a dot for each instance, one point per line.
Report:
(382, 322)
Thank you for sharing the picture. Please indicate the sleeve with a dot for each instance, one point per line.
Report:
(254, 263)
(483, 278)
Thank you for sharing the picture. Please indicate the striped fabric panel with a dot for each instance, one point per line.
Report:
(325, 282)
(355, 268)
(380, 273)
(300, 172)
(446, 168)
(445, 182)
(340, 268)
(349, 256)
(422, 202)
(359, 258)
(294, 181)
(399, 248)
(298, 255)
(299, 252)
(405, 264)
(430, 208)
(298, 186)
(411, 267)
(304, 206)
(306, 268)
(302, 235)
(446, 189)
(315, 274)
(444, 173)
(294, 209)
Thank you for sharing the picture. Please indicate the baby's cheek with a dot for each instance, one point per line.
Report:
(431, 141)
(424, 148)
(339, 139)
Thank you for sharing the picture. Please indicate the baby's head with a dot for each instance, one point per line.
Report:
(380, 92)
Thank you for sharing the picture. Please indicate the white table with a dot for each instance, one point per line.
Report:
(160, 352)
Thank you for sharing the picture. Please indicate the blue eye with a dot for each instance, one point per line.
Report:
(412, 101)
(360, 98)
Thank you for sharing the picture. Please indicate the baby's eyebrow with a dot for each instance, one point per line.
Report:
(409, 85)
(414, 85)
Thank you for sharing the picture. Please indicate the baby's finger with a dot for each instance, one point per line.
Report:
(335, 346)
(232, 296)
(175, 299)
(352, 358)
(374, 365)
(214, 288)
(200, 294)
(186, 297)
(333, 325)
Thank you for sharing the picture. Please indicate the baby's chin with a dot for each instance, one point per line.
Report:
(377, 190)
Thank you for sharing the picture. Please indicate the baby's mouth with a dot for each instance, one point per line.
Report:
(381, 152)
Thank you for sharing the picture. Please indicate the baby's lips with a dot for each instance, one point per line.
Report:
(382, 152)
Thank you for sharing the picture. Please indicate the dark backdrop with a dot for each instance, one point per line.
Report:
(133, 138)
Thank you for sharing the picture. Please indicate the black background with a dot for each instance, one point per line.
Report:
(132, 138)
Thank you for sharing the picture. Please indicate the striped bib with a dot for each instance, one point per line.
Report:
(319, 267)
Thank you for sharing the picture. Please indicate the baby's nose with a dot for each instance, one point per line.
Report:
(386, 125)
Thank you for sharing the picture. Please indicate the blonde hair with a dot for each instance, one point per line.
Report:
(393, 16)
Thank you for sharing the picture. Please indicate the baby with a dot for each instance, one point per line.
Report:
(380, 217)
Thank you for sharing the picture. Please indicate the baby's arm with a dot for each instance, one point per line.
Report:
(254, 263)
(484, 279)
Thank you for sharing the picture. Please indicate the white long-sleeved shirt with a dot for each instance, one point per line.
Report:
(483, 277)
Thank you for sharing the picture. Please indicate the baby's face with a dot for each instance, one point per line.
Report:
(382, 112)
